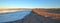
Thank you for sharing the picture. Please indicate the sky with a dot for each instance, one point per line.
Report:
(29, 3)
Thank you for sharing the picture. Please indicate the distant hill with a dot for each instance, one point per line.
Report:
(14, 9)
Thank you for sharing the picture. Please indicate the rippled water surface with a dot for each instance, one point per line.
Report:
(12, 16)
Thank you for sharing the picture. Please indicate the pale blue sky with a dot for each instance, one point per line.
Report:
(29, 3)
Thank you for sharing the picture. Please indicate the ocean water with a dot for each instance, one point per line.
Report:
(13, 16)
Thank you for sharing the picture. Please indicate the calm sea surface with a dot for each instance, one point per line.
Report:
(13, 16)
